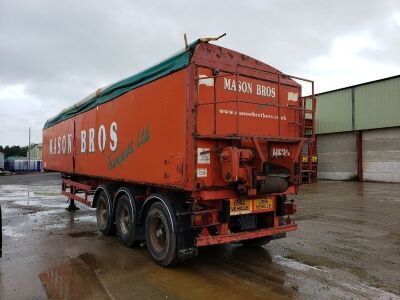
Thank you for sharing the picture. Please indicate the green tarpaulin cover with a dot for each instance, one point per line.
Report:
(167, 66)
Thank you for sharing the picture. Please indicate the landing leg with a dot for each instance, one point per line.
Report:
(72, 206)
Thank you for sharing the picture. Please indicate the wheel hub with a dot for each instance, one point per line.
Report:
(124, 221)
(160, 232)
(102, 213)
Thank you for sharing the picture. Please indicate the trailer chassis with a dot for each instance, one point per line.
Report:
(81, 192)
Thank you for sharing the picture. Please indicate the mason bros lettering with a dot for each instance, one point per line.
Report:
(88, 141)
(247, 88)
(63, 144)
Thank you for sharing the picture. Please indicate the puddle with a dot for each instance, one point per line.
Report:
(24, 192)
(88, 218)
(38, 203)
(53, 226)
(13, 188)
(11, 232)
(10, 212)
(293, 264)
(48, 194)
(41, 214)
(83, 234)
(77, 279)
(339, 283)
(314, 262)
(373, 292)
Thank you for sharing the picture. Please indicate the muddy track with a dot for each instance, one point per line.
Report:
(347, 247)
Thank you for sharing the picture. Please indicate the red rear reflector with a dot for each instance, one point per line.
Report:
(289, 208)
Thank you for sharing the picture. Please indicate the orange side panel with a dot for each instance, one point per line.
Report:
(140, 136)
(59, 147)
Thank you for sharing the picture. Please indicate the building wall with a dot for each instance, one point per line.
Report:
(1, 160)
(367, 106)
(373, 109)
(377, 105)
(334, 112)
(36, 151)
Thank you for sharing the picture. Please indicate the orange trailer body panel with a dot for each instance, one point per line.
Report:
(156, 134)
(59, 147)
(131, 138)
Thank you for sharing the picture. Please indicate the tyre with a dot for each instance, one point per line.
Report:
(257, 242)
(125, 220)
(105, 220)
(160, 238)
(1, 234)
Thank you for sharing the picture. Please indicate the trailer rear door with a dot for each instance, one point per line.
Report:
(238, 104)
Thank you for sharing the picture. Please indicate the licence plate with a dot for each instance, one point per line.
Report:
(262, 204)
(240, 206)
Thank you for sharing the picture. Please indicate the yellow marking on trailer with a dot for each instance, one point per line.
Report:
(262, 204)
(240, 206)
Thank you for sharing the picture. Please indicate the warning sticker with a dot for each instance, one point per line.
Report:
(203, 156)
(201, 172)
(293, 96)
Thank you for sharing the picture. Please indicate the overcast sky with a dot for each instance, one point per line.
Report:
(54, 53)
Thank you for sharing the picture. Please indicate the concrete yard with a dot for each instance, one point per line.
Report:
(348, 246)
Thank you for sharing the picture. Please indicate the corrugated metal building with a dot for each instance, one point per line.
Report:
(1, 161)
(35, 151)
(358, 132)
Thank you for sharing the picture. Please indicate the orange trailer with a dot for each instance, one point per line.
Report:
(200, 149)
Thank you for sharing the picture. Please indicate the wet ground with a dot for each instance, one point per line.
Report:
(348, 246)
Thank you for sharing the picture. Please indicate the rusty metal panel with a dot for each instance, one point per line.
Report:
(334, 111)
(174, 169)
(377, 104)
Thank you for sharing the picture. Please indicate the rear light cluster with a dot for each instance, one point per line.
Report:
(289, 208)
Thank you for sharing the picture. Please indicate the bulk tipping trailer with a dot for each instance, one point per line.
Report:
(200, 149)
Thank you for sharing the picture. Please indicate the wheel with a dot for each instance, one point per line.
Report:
(125, 220)
(257, 242)
(104, 216)
(1, 234)
(160, 238)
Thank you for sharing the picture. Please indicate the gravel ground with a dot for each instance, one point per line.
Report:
(348, 246)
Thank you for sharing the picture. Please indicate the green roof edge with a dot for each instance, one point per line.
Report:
(172, 64)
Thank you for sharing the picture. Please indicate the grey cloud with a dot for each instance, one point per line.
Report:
(63, 50)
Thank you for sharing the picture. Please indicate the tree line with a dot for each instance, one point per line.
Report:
(14, 151)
